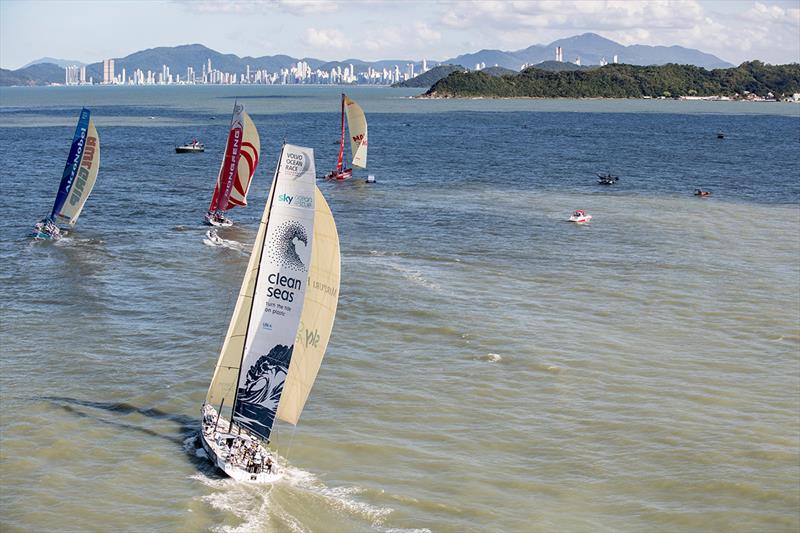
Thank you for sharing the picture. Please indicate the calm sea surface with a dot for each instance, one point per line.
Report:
(492, 366)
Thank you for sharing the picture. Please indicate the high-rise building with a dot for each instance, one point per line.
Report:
(71, 75)
(616, 59)
(559, 54)
(83, 74)
(108, 71)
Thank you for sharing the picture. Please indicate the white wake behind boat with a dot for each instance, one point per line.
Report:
(280, 326)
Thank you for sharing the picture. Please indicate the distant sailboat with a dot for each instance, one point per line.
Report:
(357, 124)
(280, 326)
(77, 181)
(237, 169)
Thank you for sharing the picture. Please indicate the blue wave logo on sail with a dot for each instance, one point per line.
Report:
(282, 249)
(257, 400)
(296, 201)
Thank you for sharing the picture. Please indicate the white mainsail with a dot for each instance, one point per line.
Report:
(319, 310)
(357, 124)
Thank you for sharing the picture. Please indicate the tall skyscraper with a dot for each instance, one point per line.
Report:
(108, 71)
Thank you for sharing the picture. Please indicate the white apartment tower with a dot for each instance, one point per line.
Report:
(559, 54)
(108, 71)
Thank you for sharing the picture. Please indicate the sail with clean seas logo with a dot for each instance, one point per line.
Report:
(77, 180)
(281, 324)
(238, 166)
(357, 126)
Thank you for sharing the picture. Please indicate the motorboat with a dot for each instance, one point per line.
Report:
(580, 217)
(190, 147)
(607, 179)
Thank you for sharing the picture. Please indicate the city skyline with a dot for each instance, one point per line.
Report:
(738, 30)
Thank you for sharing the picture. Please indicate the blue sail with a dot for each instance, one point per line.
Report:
(73, 162)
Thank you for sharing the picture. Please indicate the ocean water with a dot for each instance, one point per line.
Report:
(492, 367)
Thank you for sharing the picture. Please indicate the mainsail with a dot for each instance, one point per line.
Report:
(80, 172)
(357, 124)
(289, 292)
(319, 310)
(239, 164)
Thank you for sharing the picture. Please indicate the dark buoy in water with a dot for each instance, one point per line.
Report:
(370, 178)
(720, 135)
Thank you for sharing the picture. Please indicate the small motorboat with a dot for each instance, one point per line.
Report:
(720, 135)
(370, 178)
(702, 193)
(190, 147)
(607, 179)
(580, 217)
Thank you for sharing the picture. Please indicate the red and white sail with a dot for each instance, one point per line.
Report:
(239, 164)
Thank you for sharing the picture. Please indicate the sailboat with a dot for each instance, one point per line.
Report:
(238, 166)
(357, 124)
(280, 326)
(77, 181)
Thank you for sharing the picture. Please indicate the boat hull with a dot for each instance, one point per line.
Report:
(211, 221)
(225, 457)
(189, 149)
(343, 175)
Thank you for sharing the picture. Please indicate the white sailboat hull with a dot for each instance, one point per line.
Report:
(215, 441)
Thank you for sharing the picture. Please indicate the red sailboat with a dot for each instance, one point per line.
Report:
(357, 125)
(237, 169)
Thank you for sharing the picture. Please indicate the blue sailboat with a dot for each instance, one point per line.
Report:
(77, 181)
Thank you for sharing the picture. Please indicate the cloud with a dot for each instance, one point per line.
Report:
(734, 30)
(327, 39)
(293, 7)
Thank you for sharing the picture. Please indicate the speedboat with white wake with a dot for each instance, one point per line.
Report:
(238, 166)
(77, 181)
(193, 147)
(580, 217)
(280, 326)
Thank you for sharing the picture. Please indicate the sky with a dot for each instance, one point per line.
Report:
(89, 31)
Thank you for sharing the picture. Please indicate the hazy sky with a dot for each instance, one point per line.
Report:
(89, 31)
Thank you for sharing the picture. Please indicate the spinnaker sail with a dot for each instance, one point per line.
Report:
(238, 164)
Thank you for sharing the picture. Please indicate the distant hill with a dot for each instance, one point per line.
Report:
(626, 81)
(559, 66)
(592, 48)
(427, 79)
(38, 74)
(58, 62)
(499, 71)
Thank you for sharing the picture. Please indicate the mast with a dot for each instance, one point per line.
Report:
(255, 282)
(341, 144)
